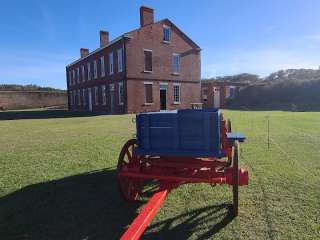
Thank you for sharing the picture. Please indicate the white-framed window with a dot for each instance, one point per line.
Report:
(78, 75)
(89, 71)
(121, 93)
(70, 78)
(95, 69)
(232, 92)
(205, 94)
(104, 95)
(111, 63)
(176, 93)
(148, 93)
(71, 97)
(176, 63)
(96, 100)
(83, 74)
(166, 34)
(120, 59)
(103, 72)
(79, 97)
(147, 60)
(73, 76)
(76, 100)
(74, 97)
(84, 97)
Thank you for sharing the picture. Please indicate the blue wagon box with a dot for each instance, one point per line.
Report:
(180, 133)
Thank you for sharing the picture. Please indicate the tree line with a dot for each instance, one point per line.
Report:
(28, 87)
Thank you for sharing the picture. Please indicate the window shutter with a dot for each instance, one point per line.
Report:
(148, 93)
(148, 60)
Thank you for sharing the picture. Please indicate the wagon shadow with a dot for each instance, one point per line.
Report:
(88, 206)
(203, 223)
(84, 206)
(45, 114)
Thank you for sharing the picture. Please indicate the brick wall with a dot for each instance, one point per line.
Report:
(133, 75)
(208, 88)
(31, 99)
(151, 37)
(207, 92)
(100, 81)
(136, 99)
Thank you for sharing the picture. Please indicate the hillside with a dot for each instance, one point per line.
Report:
(243, 78)
(291, 89)
(29, 87)
(293, 75)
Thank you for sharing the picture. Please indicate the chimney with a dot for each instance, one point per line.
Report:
(104, 38)
(146, 16)
(84, 52)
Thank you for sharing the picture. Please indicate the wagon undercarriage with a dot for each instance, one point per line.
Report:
(172, 171)
(176, 171)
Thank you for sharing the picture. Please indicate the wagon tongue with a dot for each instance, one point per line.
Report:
(142, 221)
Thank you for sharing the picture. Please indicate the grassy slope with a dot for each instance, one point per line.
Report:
(281, 202)
(293, 94)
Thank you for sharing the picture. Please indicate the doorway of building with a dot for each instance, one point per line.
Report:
(112, 98)
(216, 97)
(90, 100)
(163, 97)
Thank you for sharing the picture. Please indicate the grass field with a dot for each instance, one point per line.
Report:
(58, 181)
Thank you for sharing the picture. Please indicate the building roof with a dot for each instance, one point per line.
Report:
(99, 49)
(194, 45)
(127, 35)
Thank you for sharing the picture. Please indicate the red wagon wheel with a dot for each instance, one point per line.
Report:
(130, 188)
(235, 173)
(229, 148)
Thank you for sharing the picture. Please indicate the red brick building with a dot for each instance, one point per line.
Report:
(151, 68)
(216, 93)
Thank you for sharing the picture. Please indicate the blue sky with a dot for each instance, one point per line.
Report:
(39, 38)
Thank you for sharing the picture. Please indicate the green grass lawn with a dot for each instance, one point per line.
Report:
(58, 181)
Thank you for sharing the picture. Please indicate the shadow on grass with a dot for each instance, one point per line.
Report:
(85, 206)
(202, 223)
(44, 114)
(88, 206)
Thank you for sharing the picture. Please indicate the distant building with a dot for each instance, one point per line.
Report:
(152, 68)
(216, 93)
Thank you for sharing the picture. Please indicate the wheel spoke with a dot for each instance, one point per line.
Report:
(129, 187)
(129, 155)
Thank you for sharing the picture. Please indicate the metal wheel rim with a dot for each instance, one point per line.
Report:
(235, 186)
(130, 188)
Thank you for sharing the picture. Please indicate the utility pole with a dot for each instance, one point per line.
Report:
(268, 127)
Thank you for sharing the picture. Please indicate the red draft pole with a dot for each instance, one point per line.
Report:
(142, 221)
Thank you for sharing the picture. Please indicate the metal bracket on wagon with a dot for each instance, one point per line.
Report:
(243, 176)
